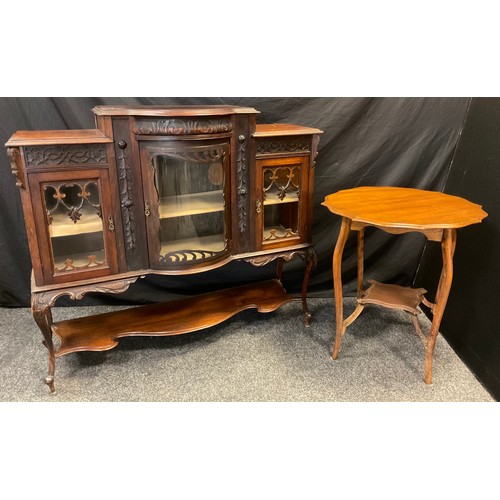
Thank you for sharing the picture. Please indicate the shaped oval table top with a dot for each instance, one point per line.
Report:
(404, 208)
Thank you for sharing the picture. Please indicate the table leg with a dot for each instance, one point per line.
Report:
(361, 258)
(448, 244)
(337, 283)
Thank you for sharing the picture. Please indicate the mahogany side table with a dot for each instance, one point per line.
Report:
(398, 210)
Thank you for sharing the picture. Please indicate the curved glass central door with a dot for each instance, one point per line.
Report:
(191, 220)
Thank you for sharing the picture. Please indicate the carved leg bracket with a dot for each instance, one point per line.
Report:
(42, 302)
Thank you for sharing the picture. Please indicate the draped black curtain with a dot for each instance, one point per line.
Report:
(470, 322)
(367, 141)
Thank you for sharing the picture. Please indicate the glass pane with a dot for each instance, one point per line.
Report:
(191, 190)
(281, 202)
(75, 225)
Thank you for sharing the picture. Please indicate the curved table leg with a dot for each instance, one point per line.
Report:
(43, 317)
(312, 260)
(337, 284)
(361, 265)
(448, 244)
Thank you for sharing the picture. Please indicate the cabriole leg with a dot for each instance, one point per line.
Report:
(312, 260)
(361, 264)
(279, 269)
(43, 317)
(337, 283)
(448, 248)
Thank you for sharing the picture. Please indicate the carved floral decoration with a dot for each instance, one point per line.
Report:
(64, 194)
(40, 156)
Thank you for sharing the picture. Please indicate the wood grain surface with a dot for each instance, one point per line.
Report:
(48, 137)
(283, 129)
(100, 332)
(404, 208)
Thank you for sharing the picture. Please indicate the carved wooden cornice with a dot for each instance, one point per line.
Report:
(293, 144)
(77, 154)
(177, 126)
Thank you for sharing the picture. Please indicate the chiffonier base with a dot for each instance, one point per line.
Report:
(102, 332)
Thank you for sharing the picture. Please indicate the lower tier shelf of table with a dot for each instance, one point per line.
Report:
(393, 296)
(101, 332)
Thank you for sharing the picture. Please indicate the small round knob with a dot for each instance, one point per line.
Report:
(241, 138)
(122, 144)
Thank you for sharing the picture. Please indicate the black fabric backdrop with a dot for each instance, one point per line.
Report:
(367, 141)
(470, 322)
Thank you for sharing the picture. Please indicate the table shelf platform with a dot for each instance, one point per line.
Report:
(393, 296)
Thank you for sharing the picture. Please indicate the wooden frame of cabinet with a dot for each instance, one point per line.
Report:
(241, 191)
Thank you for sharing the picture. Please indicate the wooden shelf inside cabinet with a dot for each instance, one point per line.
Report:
(61, 226)
(213, 243)
(191, 204)
(273, 198)
(101, 332)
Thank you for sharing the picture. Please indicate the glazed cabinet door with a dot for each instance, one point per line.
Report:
(186, 202)
(75, 224)
(281, 203)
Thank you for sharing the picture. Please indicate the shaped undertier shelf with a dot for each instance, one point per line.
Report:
(393, 296)
(102, 332)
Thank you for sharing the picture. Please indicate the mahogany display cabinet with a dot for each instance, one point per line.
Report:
(164, 190)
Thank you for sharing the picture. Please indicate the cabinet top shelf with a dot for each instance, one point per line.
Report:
(280, 129)
(154, 110)
(49, 137)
